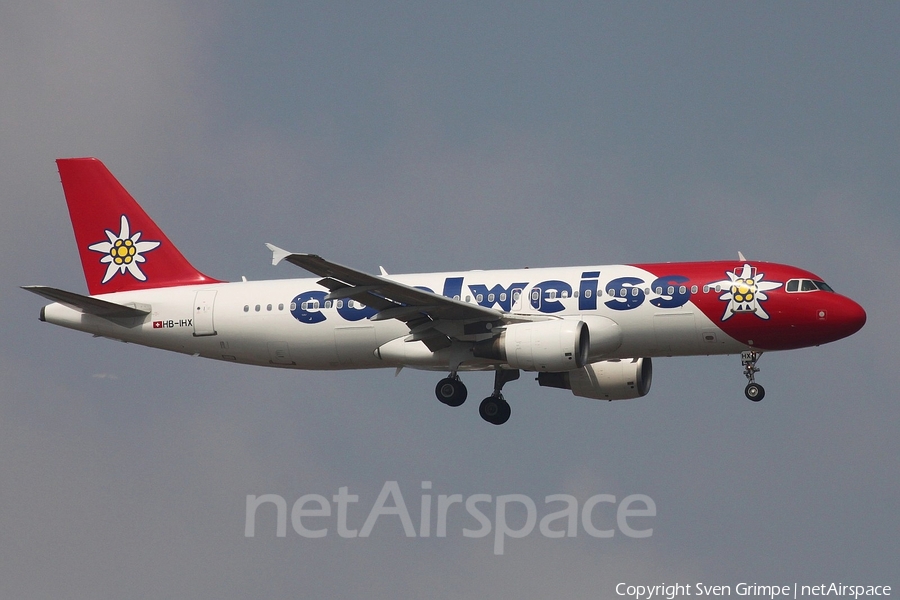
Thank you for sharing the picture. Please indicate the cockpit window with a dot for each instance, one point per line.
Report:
(807, 285)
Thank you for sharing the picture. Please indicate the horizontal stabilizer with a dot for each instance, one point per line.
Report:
(88, 304)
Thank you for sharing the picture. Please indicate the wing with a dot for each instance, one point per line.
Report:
(419, 309)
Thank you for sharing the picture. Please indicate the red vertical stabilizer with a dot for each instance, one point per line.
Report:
(121, 247)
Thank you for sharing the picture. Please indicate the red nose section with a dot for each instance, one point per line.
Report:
(849, 319)
(811, 320)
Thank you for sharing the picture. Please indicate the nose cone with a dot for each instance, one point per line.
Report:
(850, 317)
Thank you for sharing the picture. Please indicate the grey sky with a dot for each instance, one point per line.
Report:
(427, 138)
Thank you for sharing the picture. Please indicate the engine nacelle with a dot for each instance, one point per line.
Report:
(606, 336)
(556, 345)
(605, 380)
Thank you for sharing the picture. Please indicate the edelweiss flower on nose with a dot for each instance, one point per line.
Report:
(745, 291)
(123, 252)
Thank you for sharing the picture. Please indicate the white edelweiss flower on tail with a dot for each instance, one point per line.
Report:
(123, 252)
(744, 291)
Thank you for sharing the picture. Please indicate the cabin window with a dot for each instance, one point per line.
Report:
(682, 290)
(587, 293)
(269, 307)
(281, 306)
(635, 291)
(479, 298)
(823, 286)
(807, 286)
(339, 304)
(491, 298)
(503, 297)
(693, 289)
(793, 285)
(246, 308)
(293, 306)
(257, 308)
(535, 295)
(551, 294)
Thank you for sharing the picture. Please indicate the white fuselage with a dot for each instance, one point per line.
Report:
(289, 323)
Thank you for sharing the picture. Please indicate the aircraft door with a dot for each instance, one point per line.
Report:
(203, 313)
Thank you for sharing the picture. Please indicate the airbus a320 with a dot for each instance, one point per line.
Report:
(590, 329)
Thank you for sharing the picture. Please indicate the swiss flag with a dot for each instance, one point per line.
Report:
(157, 324)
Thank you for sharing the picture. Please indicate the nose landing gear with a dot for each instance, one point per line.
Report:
(753, 391)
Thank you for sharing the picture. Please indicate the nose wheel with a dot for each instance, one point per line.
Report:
(753, 391)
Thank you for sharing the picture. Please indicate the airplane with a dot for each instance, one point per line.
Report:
(593, 330)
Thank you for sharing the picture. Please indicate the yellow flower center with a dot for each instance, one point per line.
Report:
(743, 290)
(123, 252)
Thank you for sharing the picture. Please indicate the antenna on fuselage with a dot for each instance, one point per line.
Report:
(741, 256)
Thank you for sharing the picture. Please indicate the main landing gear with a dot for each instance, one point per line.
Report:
(493, 409)
(753, 391)
(451, 391)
